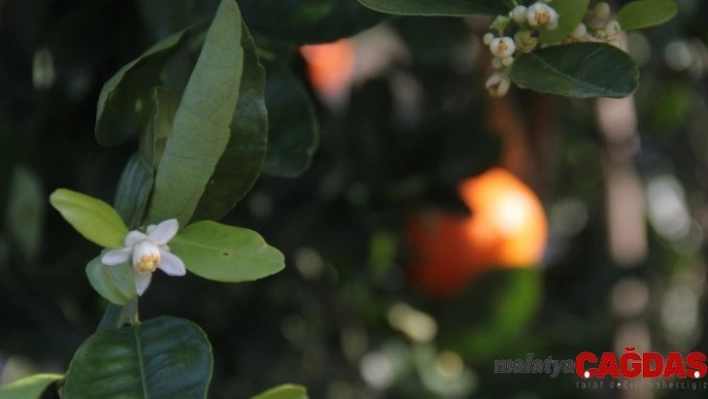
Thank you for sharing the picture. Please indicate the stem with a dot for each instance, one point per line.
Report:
(115, 315)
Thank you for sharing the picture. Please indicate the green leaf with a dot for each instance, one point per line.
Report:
(226, 253)
(154, 138)
(30, 387)
(285, 391)
(579, 70)
(25, 211)
(645, 13)
(507, 301)
(115, 283)
(439, 7)
(97, 221)
(165, 357)
(138, 176)
(293, 131)
(312, 21)
(242, 161)
(201, 127)
(133, 191)
(124, 100)
(572, 13)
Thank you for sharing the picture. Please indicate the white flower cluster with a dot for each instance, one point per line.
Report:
(529, 19)
(600, 28)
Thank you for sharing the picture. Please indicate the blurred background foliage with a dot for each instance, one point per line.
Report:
(401, 117)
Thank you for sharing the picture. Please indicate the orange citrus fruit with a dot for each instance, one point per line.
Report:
(330, 66)
(507, 228)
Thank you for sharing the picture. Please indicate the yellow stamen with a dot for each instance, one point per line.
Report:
(542, 17)
(147, 264)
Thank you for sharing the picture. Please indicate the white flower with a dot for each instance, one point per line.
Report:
(502, 47)
(147, 253)
(541, 14)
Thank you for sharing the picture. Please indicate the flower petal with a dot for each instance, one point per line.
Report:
(133, 237)
(163, 232)
(142, 281)
(116, 256)
(171, 264)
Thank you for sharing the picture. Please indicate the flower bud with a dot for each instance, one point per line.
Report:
(525, 41)
(602, 10)
(518, 14)
(498, 85)
(497, 63)
(612, 28)
(487, 38)
(580, 31)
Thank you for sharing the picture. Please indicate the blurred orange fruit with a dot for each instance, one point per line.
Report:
(330, 66)
(507, 228)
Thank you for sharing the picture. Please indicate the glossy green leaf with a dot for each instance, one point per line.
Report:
(124, 101)
(25, 211)
(226, 253)
(572, 12)
(645, 13)
(285, 391)
(133, 191)
(440, 7)
(154, 139)
(579, 70)
(202, 123)
(242, 161)
(313, 21)
(115, 283)
(97, 221)
(292, 123)
(164, 357)
(29, 388)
